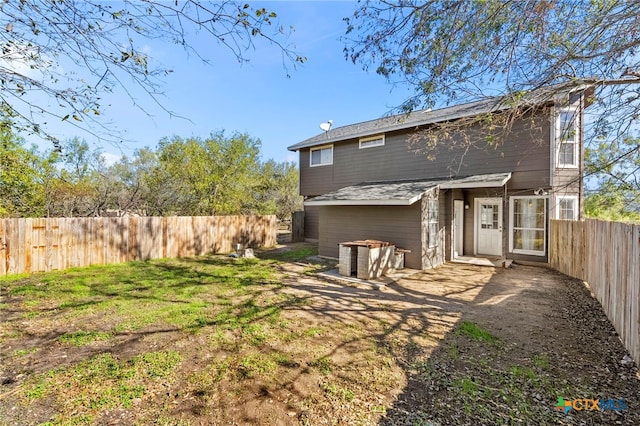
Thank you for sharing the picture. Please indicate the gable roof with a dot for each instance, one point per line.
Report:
(423, 117)
(402, 192)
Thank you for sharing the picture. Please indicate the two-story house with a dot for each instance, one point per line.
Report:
(450, 182)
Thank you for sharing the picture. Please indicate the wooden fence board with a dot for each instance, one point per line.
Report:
(33, 245)
(607, 256)
(297, 226)
(9, 243)
(170, 242)
(634, 294)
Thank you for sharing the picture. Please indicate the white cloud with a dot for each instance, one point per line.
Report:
(23, 60)
(110, 159)
(293, 157)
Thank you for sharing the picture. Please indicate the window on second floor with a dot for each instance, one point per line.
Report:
(567, 138)
(567, 207)
(371, 141)
(321, 156)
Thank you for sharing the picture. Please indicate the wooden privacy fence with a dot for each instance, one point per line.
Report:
(607, 256)
(297, 226)
(35, 245)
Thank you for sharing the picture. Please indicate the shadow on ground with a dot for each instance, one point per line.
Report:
(458, 345)
(482, 345)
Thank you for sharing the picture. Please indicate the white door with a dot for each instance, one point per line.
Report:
(488, 214)
(458, 227)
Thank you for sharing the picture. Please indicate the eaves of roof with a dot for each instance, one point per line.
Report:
(402, 193)
(541, 96)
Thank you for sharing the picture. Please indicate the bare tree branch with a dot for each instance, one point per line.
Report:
(51, 51)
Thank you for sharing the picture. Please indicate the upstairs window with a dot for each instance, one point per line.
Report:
(371, 141)
(322, 156)
(567, 138)
(567, 208)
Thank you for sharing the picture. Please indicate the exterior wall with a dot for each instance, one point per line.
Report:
(311, 223)
(468, 197)
(400, 225)
(567, 178)
(407, 226)
(568, 181)
(525, 153)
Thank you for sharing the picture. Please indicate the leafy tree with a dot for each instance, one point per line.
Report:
(460, 49)
(21, 192)
(17, 180)
(279, 193)
(131, 180)
(59, 57)
(464, 50)
(78, 189)
(217, 175)
(235, 175)
(615, 168)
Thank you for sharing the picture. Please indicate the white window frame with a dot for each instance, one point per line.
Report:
(512, 221)
(433, 238)
(576, 137)
(367, 141)
(560, 198)
(320, 148)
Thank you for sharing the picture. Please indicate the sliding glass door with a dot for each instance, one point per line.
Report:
(528, 225)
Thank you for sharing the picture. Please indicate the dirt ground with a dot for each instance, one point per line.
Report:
(547, 324)
(549, 339)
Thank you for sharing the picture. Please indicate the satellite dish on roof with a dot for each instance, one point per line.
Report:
(326, 126)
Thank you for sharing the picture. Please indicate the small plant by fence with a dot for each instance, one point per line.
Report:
(607, 256)
(40, 245)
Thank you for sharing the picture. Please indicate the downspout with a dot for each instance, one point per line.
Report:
(505, 221)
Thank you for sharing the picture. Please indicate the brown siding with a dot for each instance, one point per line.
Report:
(569, 180)
(566, 178)
(469, 215)
(469, 197)
(311, 222)
(397, 224)
(525, 152)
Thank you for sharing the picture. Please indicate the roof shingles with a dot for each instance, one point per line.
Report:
(423, 117)
(401, 193)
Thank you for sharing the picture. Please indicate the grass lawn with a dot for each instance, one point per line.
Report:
(217, 340)
(176, 341)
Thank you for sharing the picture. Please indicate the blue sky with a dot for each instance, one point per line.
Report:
(257, 97)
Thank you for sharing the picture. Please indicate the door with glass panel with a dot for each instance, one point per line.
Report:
(528, 235)
(488, 213)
